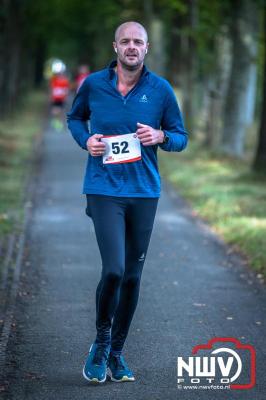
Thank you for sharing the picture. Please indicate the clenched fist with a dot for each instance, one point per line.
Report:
(95, 146)
(149, 136)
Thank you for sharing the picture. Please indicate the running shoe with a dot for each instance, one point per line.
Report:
(96, 364)
(119, 370)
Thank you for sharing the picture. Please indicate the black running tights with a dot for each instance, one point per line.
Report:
(123, 229)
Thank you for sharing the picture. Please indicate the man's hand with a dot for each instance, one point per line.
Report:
(95, 146)
(149, 136)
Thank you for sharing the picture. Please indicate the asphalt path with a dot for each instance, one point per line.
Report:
(193, 289)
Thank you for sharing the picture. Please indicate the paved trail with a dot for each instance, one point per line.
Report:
(192, 290)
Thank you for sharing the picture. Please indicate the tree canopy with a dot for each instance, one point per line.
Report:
(198, 45)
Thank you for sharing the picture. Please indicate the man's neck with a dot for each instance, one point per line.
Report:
(127, 77)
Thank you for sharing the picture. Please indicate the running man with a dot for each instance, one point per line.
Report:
(132, 112)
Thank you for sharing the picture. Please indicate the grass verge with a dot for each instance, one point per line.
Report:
(226, 194)
(17, 136)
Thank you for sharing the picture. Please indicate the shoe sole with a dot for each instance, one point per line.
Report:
(93, 380)
(123, 379)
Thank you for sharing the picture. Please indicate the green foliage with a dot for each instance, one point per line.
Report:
(172, 6)
(16, 141)
(223, 192)
(78, 30)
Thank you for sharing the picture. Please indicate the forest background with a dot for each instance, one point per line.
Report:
(212, 52)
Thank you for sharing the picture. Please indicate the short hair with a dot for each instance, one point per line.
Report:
(120, 27)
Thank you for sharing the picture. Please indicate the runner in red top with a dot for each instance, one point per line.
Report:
(59, 85)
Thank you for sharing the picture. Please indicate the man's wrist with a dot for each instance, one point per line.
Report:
(165, 138)
(161, 137)
(87, 143)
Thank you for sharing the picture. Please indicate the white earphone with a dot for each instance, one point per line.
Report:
(115, 49)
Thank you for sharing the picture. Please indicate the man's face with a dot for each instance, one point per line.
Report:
(131, 45)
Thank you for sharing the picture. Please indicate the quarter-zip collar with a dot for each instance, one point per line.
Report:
(112, 78)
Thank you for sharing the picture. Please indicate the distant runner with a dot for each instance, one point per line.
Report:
(59, 87)
(83, 72)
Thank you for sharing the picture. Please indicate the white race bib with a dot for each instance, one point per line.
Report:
(59, 91)
(121, 149)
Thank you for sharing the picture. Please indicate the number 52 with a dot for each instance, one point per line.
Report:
(118, 148)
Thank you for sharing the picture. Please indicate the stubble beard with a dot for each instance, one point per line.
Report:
(131, 68)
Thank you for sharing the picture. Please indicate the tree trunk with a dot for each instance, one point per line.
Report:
(260, 158)
(239, 103)
(176, 59)
(213, 111)
(39, 62)
(3, 55)
(189, 74)
(217, 85)
(156, 58)
(157, 54)
(11, 64)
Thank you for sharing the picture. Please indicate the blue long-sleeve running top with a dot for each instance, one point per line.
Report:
(151, 102)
